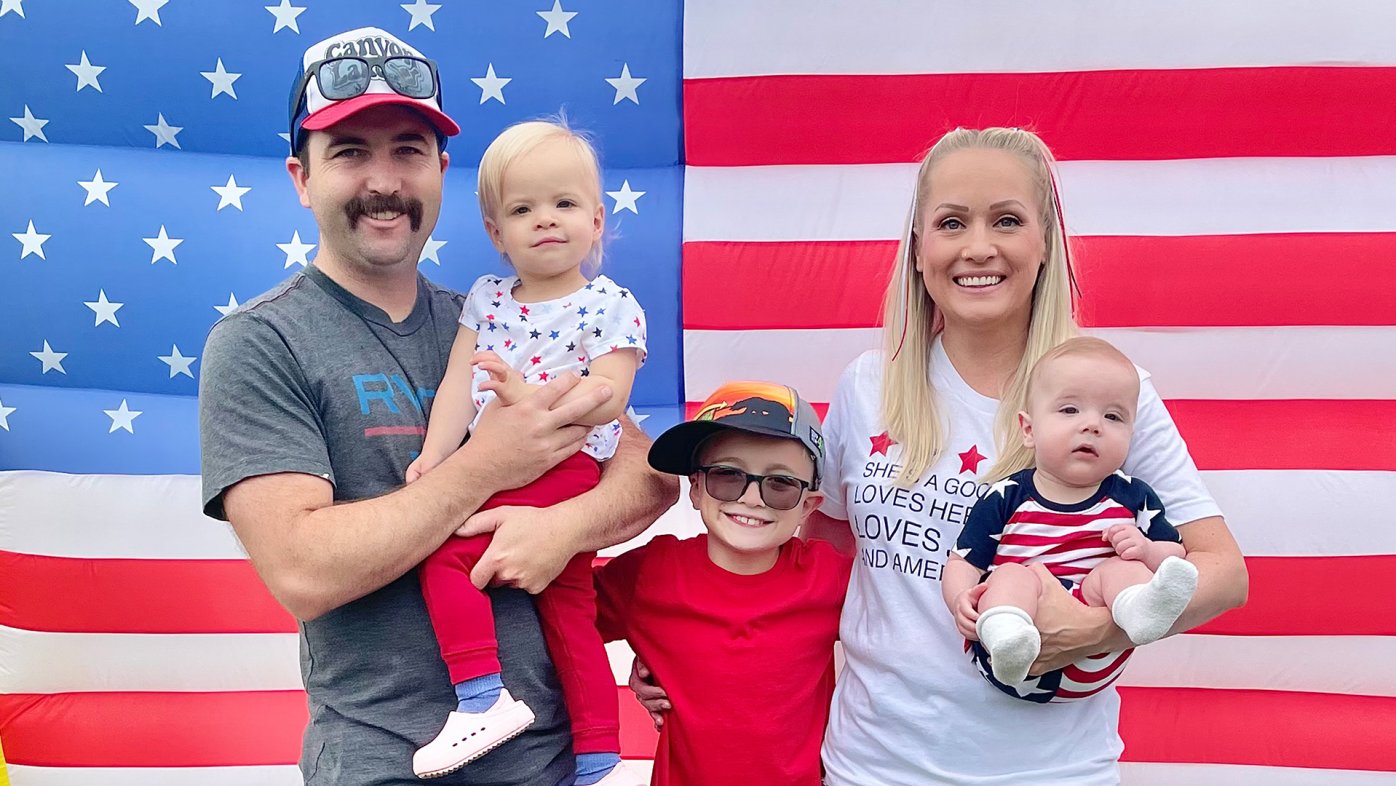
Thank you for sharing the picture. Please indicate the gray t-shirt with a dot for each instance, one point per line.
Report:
(309, 378)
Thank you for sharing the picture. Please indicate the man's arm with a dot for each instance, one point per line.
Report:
(315, 556)
(531, 545)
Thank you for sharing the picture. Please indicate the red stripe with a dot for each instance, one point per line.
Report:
(1082, 115)
(1052, 519)
(836, 284)
(1236, 280)
(393, 431)
(1065, 539)
(1288, 434)
(153, 729)
(1297, 596)
(136, 596)
(1252, 280)
(1075, 672)
(1266, 728)
(191, 729)
(1306, 434)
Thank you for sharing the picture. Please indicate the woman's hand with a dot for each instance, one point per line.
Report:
(1070, 629)
(653, 697)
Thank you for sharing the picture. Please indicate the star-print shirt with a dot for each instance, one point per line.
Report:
(545, 339)
(909, 706)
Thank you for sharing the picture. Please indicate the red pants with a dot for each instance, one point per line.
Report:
(464, 621)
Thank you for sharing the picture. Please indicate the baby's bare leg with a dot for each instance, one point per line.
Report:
(1106, 580)
(1005, 626)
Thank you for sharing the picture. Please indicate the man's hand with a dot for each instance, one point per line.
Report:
(528, 550)
(506, 383)
(527, 439)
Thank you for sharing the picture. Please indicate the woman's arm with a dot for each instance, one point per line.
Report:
(1071, 631)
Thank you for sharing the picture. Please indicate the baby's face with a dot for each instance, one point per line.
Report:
(1081, 417)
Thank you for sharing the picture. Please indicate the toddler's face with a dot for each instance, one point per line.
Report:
(1081, 417)
(549, 217)
(748, 525)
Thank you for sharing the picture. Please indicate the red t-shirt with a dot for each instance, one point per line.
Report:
(747, 661)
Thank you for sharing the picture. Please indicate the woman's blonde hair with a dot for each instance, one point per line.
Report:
(519, 140)
(911, 320)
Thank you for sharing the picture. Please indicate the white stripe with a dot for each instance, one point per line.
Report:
(132, 516)
(32, 662)
(1161, 774)
(1219, 196)
(276, 775)
(1300, 513)
(1308, 362)
(42, 662)
(1319, 362)
(711, 357)
(1271, 512)
(738, 37)
(1357, 665)
(284, 775)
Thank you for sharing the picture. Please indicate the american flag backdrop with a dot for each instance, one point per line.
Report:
(1227, 172)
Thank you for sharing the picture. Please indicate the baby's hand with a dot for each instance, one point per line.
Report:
(506, 383)
(1128, 541)
(965, 609)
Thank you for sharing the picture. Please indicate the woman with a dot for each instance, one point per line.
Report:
(916, 433)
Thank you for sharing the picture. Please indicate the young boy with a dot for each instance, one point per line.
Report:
(737, 625)
(1100, 532)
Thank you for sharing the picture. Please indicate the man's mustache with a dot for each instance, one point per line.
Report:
(358, 207)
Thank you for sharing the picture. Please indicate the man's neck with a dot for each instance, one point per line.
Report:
(394, 290)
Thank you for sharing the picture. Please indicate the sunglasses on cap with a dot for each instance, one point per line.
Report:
(728, 484)
(341, 78)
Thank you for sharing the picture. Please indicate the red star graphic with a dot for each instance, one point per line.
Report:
(969, 460)
(498, 294)
(537, 359)
(523, 310)
(543, 376)
(507, 342)
(881, 443)
(637, 321)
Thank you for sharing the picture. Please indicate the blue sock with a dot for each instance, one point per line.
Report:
(479, 694)
(592, 767)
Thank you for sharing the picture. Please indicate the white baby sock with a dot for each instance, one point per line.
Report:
(1147, 611)
(1009, 635)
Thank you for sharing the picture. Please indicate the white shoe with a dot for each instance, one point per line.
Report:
(469, 735)
(623, 775)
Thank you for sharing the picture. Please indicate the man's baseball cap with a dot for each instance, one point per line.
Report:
(371, 67)
(763, 408)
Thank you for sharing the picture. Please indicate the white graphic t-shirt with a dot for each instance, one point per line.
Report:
(909, 708)
(543, 340)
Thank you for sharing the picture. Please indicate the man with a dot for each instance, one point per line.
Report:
(314, 399)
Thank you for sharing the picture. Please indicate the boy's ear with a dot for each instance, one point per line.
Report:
(1025, 424)
(810, 504)
(695, 489)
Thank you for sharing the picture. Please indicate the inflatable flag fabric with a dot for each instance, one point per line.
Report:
(1227, 172)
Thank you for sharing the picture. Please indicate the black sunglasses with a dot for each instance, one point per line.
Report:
(340, 78)
(728, 484)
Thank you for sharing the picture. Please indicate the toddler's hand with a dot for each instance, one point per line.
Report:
(419, 467)
(1128, 541)
(966, 611)
(504, 380)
